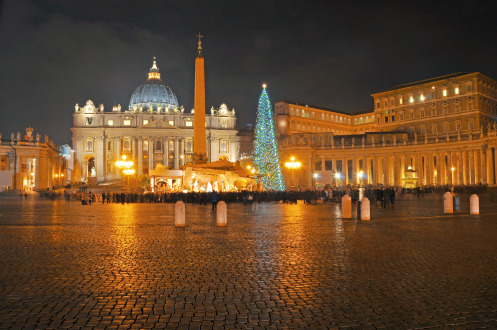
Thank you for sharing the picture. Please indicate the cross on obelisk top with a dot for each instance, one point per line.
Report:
(199, 43)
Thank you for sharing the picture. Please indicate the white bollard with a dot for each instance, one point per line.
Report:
(179, 214)
(346, 207)
(448, 202)
(365, 209)
(474, 204)
(222, 214)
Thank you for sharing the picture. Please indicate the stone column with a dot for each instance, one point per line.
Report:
(430, 169)
(368, 161)
(396, 170)
(118, 152)
(140, 156)
(490, 166)
(471, 166)
(465, 172)
(376, 172)
(165, 160)
(182, 151)
(99, 158)
(176, 153)
(403, 166)
(135, 162)
(476, 165)
(449, 171)
(354, 171)
(483, 164)
(150, 154)
(460, 169)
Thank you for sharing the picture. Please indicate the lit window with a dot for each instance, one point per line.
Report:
(456, 90)
(127, 122)
(145, 145)
(110, 122)
(171, 122)
(444, 92)
(188, 123)
(411, 99)
(145, 121)
(421, 97)
(400, 100)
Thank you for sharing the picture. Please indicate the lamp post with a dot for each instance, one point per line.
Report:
(338, 177)
(314, 179)
(292, 165)
(360, 177)
(126, 167)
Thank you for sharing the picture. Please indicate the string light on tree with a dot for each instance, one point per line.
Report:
(266, 157)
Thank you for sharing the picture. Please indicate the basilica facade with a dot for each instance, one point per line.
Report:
(154, 129)
(439, 131)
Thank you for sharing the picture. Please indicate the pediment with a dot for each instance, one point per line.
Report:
(160, 124)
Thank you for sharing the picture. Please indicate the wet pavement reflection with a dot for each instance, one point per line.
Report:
(63, 264)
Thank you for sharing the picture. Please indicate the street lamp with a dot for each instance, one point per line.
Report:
(360, 176)
(338, 177)
(126, 167)
(292, 165)
(314, 179)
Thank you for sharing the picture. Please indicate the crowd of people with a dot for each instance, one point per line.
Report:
(380, 196)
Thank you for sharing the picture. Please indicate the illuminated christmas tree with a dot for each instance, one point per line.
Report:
(266, 157)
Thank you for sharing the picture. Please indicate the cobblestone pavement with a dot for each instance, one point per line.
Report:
(64, 265)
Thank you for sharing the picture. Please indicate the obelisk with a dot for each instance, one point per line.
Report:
(200, 139)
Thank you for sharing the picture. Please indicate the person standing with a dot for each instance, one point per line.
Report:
(214, 199)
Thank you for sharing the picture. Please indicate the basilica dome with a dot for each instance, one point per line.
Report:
(153, 93)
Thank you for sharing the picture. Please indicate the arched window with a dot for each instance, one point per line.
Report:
(158, 145)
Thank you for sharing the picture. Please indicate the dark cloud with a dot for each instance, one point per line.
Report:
(328, 53)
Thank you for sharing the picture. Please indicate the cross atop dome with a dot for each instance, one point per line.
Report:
(154, 71)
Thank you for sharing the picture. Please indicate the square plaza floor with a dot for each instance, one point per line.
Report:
(65, 265)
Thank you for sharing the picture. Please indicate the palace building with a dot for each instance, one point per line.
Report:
(29, 163)
(153, 130)
(439, 131)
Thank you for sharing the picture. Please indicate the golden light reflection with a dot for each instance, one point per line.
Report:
(124, 220)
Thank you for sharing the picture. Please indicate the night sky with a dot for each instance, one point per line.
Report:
(332, 54)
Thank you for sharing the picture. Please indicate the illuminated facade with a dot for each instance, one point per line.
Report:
(30, 163)
(443, 129)
(153, 130)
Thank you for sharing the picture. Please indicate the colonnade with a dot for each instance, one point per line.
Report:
(434, 166)
(144, 153)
